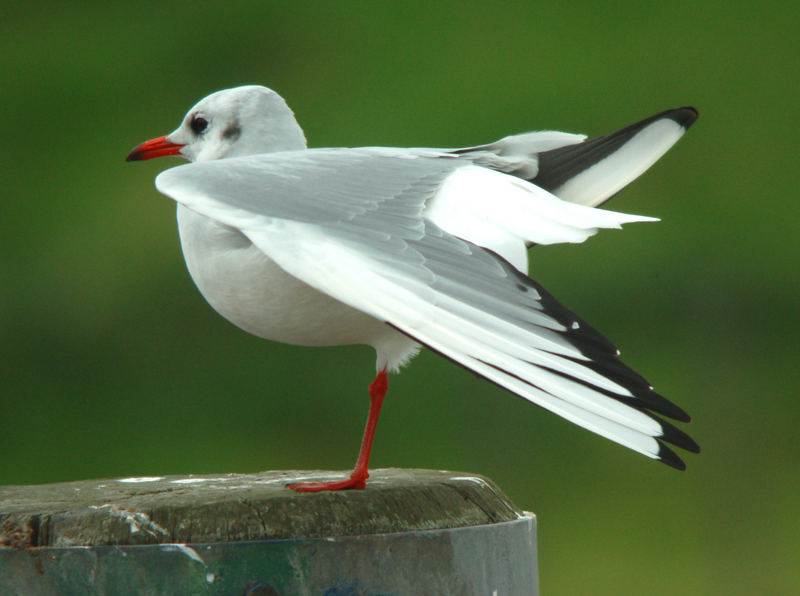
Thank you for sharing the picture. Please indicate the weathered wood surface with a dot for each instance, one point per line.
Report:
(239, 507)
(410, 532)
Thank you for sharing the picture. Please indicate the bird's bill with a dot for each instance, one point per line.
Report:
(158, 147)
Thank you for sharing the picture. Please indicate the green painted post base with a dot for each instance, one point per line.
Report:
(410, 532)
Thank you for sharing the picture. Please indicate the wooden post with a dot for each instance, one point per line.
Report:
(409, 532)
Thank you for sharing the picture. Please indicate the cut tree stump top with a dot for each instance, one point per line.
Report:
(243, 507)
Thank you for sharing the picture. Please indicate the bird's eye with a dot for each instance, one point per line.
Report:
(199, 124)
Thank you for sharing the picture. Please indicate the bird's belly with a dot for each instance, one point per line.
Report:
(250, 290)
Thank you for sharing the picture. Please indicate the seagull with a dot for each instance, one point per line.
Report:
(402, 248)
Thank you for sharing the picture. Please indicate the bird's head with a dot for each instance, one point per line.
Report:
(230, 123)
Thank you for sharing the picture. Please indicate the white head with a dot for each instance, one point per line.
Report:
(230, 123)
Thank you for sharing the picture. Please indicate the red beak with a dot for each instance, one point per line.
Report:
(153, 148)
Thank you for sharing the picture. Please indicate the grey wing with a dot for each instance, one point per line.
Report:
(349, 223)
(320, 186)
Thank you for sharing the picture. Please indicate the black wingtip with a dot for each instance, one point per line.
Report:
(684, 116)
(659, 403)
(672, 434)
(602, 356)
(669, 457)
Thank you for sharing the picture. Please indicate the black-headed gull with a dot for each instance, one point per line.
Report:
(397, 248)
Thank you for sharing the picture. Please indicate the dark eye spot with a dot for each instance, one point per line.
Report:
(232, 132)
(198, 125)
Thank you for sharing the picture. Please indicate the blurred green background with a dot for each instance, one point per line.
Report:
(111, 363)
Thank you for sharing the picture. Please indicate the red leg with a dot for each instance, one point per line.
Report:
(359, 475)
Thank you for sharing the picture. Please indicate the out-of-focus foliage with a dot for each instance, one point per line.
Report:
(111, 364)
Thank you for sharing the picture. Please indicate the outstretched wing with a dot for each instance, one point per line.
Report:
(352, 224)
(586, 172)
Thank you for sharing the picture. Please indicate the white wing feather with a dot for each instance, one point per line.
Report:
(502, 213)
(598, 183)
(476, 340)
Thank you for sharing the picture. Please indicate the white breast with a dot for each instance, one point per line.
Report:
(246, 287)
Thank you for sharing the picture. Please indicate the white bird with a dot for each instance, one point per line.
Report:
(397, 248)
